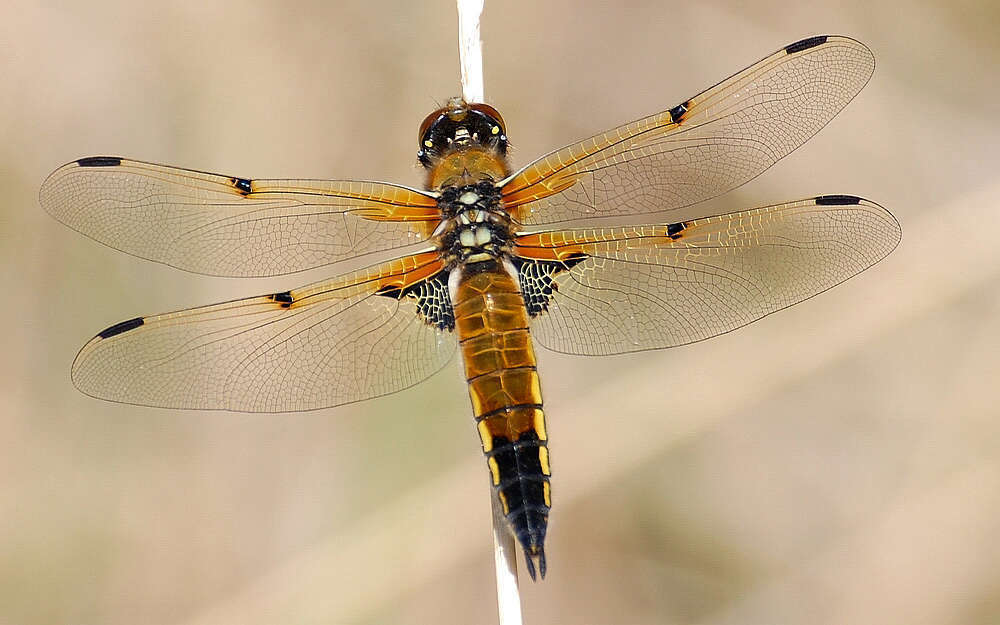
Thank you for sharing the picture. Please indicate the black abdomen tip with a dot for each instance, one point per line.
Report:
(120, 328)
(805, 44)
(99, 161)
(529, 562)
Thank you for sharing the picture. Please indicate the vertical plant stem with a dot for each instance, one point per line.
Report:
(505, 558)
(470, 47)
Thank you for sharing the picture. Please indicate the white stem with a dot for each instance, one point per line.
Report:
(470, 49)
(505, 558)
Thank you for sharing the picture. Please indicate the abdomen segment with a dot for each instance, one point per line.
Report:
(492, 324)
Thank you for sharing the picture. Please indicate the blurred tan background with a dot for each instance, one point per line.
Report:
(835, 463)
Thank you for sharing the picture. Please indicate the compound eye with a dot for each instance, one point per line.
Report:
(493, 114)
(428, 122)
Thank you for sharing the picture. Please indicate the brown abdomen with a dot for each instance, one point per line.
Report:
(492, 324)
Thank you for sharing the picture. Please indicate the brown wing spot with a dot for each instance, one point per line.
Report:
(244, 186)
(679, 112)
(284, 298)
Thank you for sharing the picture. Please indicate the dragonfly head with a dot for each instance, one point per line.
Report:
(460, 126)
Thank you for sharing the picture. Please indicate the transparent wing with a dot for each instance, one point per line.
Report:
(649, 287)
(228, 226)
(714, 142)
(331, 343)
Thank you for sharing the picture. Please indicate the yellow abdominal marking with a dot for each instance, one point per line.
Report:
(539, 424)
(484, 434)
(543, 459)
(495, 472)
(547, 494)
(503, 501)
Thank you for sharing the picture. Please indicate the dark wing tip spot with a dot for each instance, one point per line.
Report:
(805, 44)
(100, 161)
(120, 328)
(837, 200)
(284, 298)
(242, 185)
(678, 112)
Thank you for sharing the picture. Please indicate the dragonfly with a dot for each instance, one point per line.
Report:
(489, 261)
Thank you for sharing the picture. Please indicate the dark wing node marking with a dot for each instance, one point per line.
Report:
(243, 185)
(678, 112)
(431, 297)
(284, 298)
(805, 44)
(674, 230)
(712, 143)
(537, 280)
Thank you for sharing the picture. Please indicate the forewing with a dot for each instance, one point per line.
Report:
(617, 290)
(334, 342)
(714, 142)
(229, 226)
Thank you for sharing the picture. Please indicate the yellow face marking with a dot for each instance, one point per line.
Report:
(543, 459)
(496, 130)
(494, 470)
(547, 494)
(428, 143)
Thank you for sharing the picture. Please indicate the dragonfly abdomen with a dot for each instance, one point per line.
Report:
(492, 324)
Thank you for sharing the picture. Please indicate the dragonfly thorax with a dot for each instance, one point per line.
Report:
(476, 227)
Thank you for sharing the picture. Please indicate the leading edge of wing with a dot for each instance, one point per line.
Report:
(554, 188)
(222, 225)
(330, 343)
(635, 288)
